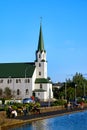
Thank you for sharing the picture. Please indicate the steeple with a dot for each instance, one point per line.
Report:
(40, 62)
(40, 41)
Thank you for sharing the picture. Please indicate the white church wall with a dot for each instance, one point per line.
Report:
(41, 95)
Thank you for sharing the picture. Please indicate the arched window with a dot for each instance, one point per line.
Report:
(28, 80)
(18, 92)
(39, 64)
(27, 91)
(39, 73)
(40, 86)
(39, 56)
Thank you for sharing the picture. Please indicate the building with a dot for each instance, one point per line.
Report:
(28, 79)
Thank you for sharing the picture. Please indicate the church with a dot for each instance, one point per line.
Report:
(28, 78)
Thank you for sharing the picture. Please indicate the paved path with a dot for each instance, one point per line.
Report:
(48, 114)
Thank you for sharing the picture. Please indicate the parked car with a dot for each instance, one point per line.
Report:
(28, 100)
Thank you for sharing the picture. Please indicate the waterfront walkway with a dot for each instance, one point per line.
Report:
(50, 114)
(22, 119)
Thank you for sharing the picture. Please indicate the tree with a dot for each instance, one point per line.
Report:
(7, 93)
(1, 93)
(79, 81)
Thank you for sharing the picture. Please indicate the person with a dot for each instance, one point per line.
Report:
(68, 105)
(82, 105)
(14, 113)
(9, 111)
(24, 110)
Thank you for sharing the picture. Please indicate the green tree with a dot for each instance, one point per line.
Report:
(1, 93)
(79, 82)
(7, 93)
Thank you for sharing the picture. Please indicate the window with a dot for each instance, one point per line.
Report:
(39, 56)
(39, 64)
(18, 80)
(39, 73)
(9, 81)
(18, 92)
(27, 80)
(27, 92)
(40, 86)
(1, 81)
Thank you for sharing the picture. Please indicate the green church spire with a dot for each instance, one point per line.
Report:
(40, 42)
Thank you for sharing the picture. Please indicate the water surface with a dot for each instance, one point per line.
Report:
(76, 121)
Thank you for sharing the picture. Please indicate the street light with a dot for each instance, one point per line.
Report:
(75, 91)
(65, 92)
(49, 96)
(84, 91)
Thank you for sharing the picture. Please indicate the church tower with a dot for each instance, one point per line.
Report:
(41, 63)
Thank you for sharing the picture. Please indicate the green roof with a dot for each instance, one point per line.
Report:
(41, 42)
(39, 90)
(16, 70)
(42, 80)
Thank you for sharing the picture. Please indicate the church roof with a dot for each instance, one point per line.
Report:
(39, 90)
(17, 70)
(42, 80)
(40, 42)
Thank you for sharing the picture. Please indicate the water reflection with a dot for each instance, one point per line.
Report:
(77, 121)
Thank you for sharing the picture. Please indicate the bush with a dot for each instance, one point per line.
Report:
(3, 100)
(59, 102)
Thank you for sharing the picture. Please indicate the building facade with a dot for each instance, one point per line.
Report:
(29, 78)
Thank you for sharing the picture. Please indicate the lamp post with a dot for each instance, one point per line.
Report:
(65, 92)
(49, 96)
(84, 91)
(75, 91)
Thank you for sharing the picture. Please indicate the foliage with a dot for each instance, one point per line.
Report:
(75, 86)
(3, 100)
(1, 92)
(7, 93)
(59, 102)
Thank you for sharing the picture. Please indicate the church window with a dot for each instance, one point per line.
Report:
(40, 86)
(18, 92)
(18, 80)
(27, 80)
(27, 92)
(1, 81)
(39, 73)
(39, 56)
(9, 81)
(39, 64)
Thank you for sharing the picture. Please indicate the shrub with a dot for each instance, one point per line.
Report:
(59, 102)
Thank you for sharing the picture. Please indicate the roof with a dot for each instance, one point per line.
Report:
(42, 80)
(16, 70)
(40, 42)
(39, 90)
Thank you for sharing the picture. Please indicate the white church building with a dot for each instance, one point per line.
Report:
(29, 78)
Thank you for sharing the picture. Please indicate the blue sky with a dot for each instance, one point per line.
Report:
(64, 25)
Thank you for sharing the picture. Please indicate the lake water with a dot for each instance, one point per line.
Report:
(76, 121)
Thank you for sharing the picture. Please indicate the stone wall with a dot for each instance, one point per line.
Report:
(53, 108)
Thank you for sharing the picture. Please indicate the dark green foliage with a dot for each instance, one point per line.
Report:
(59, 102)
(78, 83)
